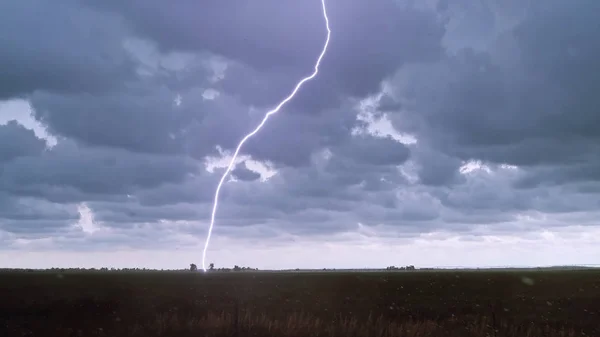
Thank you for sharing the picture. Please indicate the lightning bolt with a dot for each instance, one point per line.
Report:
(255, 131)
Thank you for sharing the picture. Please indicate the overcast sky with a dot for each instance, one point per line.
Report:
(437, 133)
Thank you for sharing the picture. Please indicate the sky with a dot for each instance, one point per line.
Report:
(437, 133)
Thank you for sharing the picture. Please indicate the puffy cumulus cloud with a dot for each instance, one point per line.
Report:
(452, 125)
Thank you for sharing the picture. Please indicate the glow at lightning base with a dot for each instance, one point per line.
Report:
(255, 131)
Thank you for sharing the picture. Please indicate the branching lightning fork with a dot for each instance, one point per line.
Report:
(262, 123)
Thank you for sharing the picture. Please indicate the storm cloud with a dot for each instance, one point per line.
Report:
(60, 47)
(472, 119)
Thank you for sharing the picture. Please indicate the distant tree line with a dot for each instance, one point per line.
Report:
(411, 267)
(103, 269)
(211, 268)
(193, 267)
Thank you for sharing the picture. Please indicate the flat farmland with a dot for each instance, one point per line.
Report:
(253, 303)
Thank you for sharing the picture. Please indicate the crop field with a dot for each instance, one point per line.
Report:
(252, 303)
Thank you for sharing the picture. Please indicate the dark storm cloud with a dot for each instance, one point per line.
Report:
(38, 228)
(387, 104)
(328, 198)
(93, 171)
(370, 40)
(374, 150)
(59, 46)
(489, 198)
(368, 161)
(198, 188)
(483, 199)
(536, 108)
(373, 38)
(17, 141)
(125, 141)
(437, 169)
(130, 213)
(144, 119)
(30, 209)
(306, 194)
(241, 172)
(559, 175)
(291, 139)
(282, 40)
(251, 32)
(484, 192)
(34, 217)
(147, 119)
(345, 177)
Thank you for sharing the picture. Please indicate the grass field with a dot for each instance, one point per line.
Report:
(411, 303)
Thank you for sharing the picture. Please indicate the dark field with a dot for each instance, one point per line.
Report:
(411, 303)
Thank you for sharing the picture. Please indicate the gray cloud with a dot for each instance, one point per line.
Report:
(374, 150)
(134, 132)
(131, 213)
(34, 38)
(291, 139)
(196, 127)
(144, 119)
(17, 141)
(91, 171)
(31, 209)
(34, 217)
(241, 172)
(437, 169)
(536, 108)
(199, 188)
(359, 56)
(38, 228)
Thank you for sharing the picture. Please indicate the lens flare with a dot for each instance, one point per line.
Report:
(255, 131)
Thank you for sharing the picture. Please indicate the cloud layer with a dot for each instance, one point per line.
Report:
(475, 119)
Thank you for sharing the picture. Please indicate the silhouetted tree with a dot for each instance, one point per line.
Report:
(211, 266)
(193, 267)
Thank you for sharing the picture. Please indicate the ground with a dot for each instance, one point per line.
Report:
(393, 303)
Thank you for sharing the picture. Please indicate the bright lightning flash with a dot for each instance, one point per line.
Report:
(267, 115)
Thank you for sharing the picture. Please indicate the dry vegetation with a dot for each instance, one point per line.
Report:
(411, 303)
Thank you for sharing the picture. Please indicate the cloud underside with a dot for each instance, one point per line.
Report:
(147, 103)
